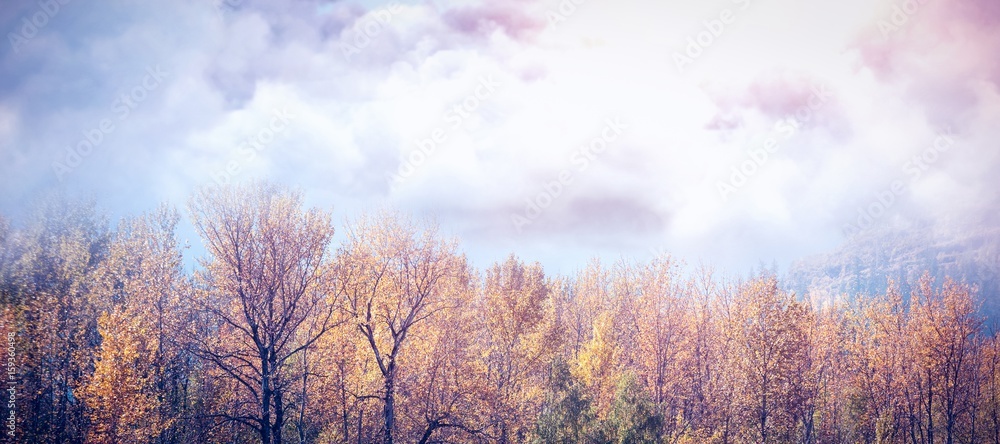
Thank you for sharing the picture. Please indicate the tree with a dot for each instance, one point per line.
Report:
(634, 417)
(56, 255)
(599, 364)
(589, 296)
(990, 374)
(945, 325)
(664, 342)
(566, 416)
(877, 350)
(7, 258)
(441, 385)
(393, 277)
(263, 293)
(394, 337)
(136, 367)
(517, 325)
(771, 340)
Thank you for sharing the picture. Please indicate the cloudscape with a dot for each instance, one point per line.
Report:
(732, 132)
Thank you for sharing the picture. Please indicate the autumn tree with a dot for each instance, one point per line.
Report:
(588, 296)
(990, 378)
(51, 276)
(393, 336)
(711, 376)
(441, 386)
(770, 340)
(7, 258)
(519, 339)
(877, 350)
(263, 294)
(131, 395)
(945, 325)
(393, 278)
(664, 342)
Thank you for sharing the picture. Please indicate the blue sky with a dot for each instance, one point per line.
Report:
(726, 132)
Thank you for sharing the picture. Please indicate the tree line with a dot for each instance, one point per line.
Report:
(282, 335)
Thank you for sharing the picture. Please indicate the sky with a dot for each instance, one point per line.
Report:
(728, 132)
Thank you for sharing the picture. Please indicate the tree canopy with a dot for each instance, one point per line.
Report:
(282, 335)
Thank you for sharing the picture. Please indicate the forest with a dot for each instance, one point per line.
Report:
(283, 333)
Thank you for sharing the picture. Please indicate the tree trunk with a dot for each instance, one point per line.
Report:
(361, 415)
(279, 418)
(389, 411)
(930, 408)
(265, 400)
(343, 406)
(763, 411)
(305, 394)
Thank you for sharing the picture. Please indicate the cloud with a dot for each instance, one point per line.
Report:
(482, 20)
(368, 83)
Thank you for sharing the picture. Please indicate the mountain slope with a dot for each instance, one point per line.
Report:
(867, 262)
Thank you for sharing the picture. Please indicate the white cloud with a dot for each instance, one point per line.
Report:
(357, 119)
